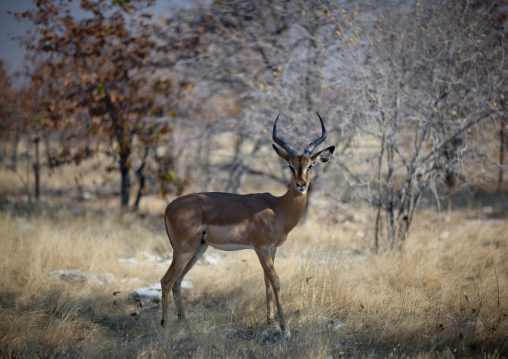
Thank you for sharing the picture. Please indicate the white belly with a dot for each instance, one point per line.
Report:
(230, 247)
(227, 238)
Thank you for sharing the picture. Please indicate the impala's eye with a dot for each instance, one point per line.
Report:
(309, 168)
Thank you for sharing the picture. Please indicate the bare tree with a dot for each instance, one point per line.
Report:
(426, 89)
(264, 58)
(8, 128)
(104, 76)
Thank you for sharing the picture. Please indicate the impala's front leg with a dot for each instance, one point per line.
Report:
(265, 258)
(270, 317)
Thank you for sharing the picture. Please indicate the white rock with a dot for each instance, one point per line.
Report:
(444, 235)
(211, 258)
(264, 335)
(358, 217)
(335, 324)
(23, 223)
(148, 294)
(68, 275)
(127, 261)
(88, 196)
(77, 211)
(472, 328)
(75, 274)
(106, 278)
(154, 293)
(148, 257)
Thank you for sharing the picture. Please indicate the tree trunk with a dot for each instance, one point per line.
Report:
(141, 178)
(37, 167)
(14, 157)
(28, 163)
(501, 156)
(236, 168)
(126, 183)
(379, 199)
(124, 139)
(45, 135)
(390, 181)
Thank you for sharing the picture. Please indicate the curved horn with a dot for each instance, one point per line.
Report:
(317, 141)
(280, 142)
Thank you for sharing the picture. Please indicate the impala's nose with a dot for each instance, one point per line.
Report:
(301, 186)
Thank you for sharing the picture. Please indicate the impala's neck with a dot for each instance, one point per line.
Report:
(293, 205)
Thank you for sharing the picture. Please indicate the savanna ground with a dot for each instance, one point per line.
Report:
(444, 296)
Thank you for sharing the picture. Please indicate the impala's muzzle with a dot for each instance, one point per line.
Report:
(301, 186)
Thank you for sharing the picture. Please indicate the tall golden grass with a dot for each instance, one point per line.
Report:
(445, 295)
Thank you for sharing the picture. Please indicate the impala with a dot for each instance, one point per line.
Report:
(259, 221)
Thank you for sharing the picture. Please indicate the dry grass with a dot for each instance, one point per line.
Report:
(398, 304)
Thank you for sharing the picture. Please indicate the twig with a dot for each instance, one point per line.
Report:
(497, 286)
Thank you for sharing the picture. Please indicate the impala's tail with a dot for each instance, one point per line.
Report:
(167, 228)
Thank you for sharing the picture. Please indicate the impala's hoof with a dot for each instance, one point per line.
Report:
(286, 335)
(163, 323)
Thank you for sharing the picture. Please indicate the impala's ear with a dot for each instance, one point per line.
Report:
(324, 155)
(282, 154)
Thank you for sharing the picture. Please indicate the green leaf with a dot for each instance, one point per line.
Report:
(101, 88)
(168, 177)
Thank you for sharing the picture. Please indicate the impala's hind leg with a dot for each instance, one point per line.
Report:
(177, 295)
(179, 262)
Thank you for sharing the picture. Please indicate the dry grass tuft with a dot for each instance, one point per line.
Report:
(445, 295)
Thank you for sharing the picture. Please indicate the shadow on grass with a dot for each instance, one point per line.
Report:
(52, 322)
(101, 325)
(473, 199)
(228, 317)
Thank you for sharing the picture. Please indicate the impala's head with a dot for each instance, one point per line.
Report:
(300, 165)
